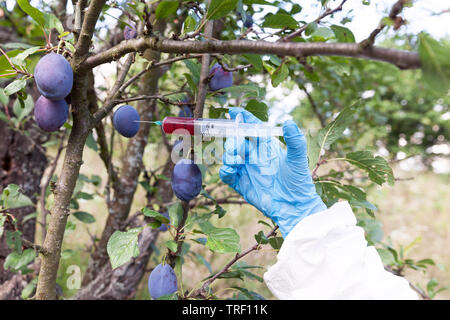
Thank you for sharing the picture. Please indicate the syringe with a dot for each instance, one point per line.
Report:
(218, 127)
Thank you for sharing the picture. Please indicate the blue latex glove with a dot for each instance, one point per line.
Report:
(276, 182)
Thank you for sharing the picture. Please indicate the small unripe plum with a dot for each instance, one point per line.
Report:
(54, 76)
(162, 281)
(164, 227)
(50, 115)
(248, 23)
(129, 33)
(185, 112)
(186, 180)
(126, 121)
(220, 78)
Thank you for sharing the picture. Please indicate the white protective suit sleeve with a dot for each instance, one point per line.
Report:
(326, 256)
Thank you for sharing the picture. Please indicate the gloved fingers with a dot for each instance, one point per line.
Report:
(248, 117)
(229, 175)
(295, 142)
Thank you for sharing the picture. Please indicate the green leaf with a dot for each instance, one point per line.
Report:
(258, 109)
(377, 167)
(154, 214)
(223, 240)
(25, 259)
(172, 296)
(91, 143)
(122, 246)
(261, 238)
(189, 24)
(280, 74)
(255, 60)
(313, 150)
(84, 217)
(220, 8)
(21, 57)
(311, 28)
(175, 214)
(11, 260)
(249, 294)
(276, 242)
(5, 66)
(328, 135)
(435, 63)
(15, 86)
(279, 21)
(343, 34)
(29, 289)
(165, 9)
(203, 260)
(2, 222)
(45, 20)
(194, 68)
(12, 197)
(323, 34)
(23, 108)
(172, 245)
(386, 256)
(3, 97)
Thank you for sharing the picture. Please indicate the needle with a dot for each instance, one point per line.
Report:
(159, 123)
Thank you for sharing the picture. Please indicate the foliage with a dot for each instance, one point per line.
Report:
(351, 109)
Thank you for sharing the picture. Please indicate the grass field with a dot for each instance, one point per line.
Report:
(413, 209)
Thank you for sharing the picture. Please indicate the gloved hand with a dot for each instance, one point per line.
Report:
(277, 182)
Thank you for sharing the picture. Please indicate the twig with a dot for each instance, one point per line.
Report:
(156, 65)
(229, 264)
(393, 15)
(204, 73)
(17, 71)
(157, 97)
(327, 12)
(313, 105)
(179, 236)
(38, 248)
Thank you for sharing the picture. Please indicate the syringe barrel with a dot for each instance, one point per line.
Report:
(218, 127)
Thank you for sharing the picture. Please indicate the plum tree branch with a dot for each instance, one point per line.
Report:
(402, 59)
(87, 30)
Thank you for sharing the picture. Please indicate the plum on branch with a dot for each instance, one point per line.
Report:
(186, 180)
(50, 115)
(126, 121)
(54, 76)
(219, 78)
(162, 281)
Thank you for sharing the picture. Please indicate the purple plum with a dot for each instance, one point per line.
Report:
(220, 78)
(54, 76)
(162, 281)
(50, 115)
(129, 33)
(126, 121)
(186, 180)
